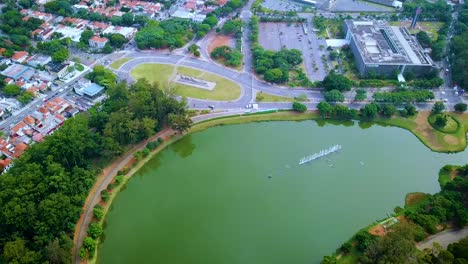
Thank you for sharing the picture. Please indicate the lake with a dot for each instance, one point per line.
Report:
(236, 194)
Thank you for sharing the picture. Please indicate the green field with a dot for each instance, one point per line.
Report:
(431, 28)
(451, 127)
(117, 63)
(225, 90)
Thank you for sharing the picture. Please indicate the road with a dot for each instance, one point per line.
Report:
(444, 238)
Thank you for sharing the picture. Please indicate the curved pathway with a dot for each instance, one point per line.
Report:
(444, 238)
(94, 196)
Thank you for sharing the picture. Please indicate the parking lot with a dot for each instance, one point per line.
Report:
(282, 5)
(275, 36)
(359, 6)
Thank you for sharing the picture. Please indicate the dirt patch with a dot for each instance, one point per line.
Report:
(220, 40)
(377, 230)
(426, 130)
(414, 198)
(450, 139)
(453, 174)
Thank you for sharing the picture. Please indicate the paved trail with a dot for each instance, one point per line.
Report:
(444, 238)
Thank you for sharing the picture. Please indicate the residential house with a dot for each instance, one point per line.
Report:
(19, 56)
(96, 42)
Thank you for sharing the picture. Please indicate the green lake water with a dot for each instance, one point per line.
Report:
(209, 198)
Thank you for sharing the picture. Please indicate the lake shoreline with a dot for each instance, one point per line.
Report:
(238, 119)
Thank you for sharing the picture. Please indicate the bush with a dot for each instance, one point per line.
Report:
(112, 186)
(460, 107)
(83, 253)
(95, 230)
(363, 239)
(146, 152)
(438, 107)
(119, 179)
(334, 96)
(388, 110)
(105, 195)
(152, 145)
(346, 247)
(299, 107)
(79, 67)
(403, 96)
(361, 95)
(97, 211)
(89, 245)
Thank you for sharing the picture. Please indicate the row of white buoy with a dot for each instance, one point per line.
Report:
(320, 154)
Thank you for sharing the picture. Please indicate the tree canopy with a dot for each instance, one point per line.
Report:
(42, 195)
(338, 82)
(271, 63)
(171, 33)
(459, 49)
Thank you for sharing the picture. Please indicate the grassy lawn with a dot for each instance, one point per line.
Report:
(224, 90)
(451, 127)
(117, 63)
(432, 138)
(414, 198)
(431, 28)
(241, 119)
(221, 61)
(334, 27)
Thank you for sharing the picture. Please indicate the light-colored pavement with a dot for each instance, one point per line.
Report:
(444, 238)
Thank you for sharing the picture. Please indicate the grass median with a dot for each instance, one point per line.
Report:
(117, 63)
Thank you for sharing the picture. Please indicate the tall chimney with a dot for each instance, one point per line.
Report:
(415, 18)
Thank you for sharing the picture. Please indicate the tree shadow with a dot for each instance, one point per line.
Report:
(184, 147)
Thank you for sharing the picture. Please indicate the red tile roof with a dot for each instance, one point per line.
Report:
(18, 127)
(98, 39)
(29, 120)
(18, 55)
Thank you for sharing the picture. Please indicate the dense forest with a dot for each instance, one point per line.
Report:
(172, 33)
(459, 50)
(17, 29)
(431, 10)
(420, 218)
(41, 196)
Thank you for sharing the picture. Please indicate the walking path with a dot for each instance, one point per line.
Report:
(108, 174)
(444, 238)
(101, 183)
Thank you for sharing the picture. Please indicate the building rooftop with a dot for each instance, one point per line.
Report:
(92, 89)
(379, 43)
(19, 55)
(14, 71)
(56, 67)
(98, 39)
